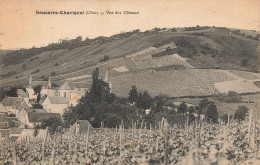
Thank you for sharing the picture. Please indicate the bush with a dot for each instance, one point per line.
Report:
(241, 113)
(53, 73)
(244, 62)
(182, 108)
(211, 114)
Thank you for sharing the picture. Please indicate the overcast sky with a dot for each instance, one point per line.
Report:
(20, 27)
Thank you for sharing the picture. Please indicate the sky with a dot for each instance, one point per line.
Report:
(21, 27)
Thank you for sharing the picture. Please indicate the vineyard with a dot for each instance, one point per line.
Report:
(188, 82)
(195, 143)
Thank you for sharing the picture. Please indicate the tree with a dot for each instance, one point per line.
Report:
(12, 92)
(182, 108)
(133, 94)
(240, 113)
(147, 101)
(211, 114)
(37, 90)
(202, 106)
(191, 114)
(99, 87)
(52, 123)
(159, 103)
(139, 103)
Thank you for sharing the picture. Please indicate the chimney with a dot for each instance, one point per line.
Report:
(30, 80)
(49, 82)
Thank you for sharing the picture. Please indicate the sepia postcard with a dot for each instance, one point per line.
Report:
(144, 82)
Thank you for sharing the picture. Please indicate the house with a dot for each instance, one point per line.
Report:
(15, 134)
(13, 122)
(4, 128)
(73, 91)
(3, 109)
(34, 118)
(46, 88)
(28, 134)
(22, 95)
(12, 104)
(80, 127)
(3, 122)
(55, 104)
(22, 115)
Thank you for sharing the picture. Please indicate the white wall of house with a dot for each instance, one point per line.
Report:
(12, 110)
(22, 116)
(54, 108)
(58, 108)
(64, 93)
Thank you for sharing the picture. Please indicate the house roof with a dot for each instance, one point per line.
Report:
(36, 110)
(21, 93)
(2, 117)
(83, 127)
(72, 85)
(58, 100)
(23, 106)
(15, 130)
(3, 109)
(43, 84)
(35, 117)
(11, 102)
(3, 125)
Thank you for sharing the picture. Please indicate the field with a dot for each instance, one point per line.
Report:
(198, 143)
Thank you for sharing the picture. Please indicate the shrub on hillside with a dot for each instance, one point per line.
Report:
(230, 97)
(241, 113)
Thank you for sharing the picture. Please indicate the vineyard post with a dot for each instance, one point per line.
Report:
(228, 124)
(1, 143)
(150, 128)
(194, 130)
(199, 132)
(188, 118)
(132, 127)
(140, 130)
(165, 141)
(249, 127)
(87, 138)
(254, 137)
(120, 144)
(14, 154)
(53, 156)
(70, 140)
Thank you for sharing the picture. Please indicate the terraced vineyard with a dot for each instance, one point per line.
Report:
(191, 82)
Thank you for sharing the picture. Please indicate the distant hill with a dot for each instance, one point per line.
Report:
(135, 52)
(4, 52)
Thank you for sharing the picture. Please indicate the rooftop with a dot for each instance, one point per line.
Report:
(72, 85)
(11, 102)
(21, 93)
(58, 100)
(35, 117)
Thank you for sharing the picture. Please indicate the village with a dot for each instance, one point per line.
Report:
(19, 115)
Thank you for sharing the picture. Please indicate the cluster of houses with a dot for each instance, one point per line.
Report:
(21, 113)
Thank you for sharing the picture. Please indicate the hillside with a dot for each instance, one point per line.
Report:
(160, 51)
